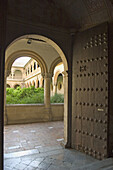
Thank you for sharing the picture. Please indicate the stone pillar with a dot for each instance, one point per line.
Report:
(23, 84)
(47, 81)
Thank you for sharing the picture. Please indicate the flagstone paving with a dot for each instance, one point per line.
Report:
(38, 147)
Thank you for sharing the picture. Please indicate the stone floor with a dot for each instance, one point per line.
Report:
(32, 136)
(38, 147)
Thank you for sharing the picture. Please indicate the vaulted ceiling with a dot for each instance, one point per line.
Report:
(79, 14)
(43, 49)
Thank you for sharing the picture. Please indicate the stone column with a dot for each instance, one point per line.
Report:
(47, 81)
(23, 84)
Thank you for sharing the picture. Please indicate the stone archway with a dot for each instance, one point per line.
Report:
(8, 64)
(54, 64)
(51, 71)
(55, 80)
(8, 85)
(16, 85)
(48, 41)
(46, 73)
(20, 53)
(60, 82)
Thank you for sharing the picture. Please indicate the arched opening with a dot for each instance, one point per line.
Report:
(34, 65)
(43, 83)
(17, 74)
(60, 81)
(38, 84)
(33, 83)
(28, 70)
(16, 85)
(8, 86)
(57, 83)
(47, 64)
(38, 65)
(31, 68)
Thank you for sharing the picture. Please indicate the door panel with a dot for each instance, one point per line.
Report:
(90, 92)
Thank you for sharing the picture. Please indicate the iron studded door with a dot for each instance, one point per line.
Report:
(90, 97)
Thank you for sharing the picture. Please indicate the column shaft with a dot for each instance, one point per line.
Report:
(47, 81)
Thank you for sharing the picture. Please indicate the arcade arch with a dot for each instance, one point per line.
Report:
(16, 85)
(60, 81)
(11, 58)
(47, 63)
(17, 74)
(8, 85)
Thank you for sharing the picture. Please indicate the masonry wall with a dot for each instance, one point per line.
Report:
(27, 113)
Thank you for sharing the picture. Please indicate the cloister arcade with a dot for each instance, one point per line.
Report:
(23, 76)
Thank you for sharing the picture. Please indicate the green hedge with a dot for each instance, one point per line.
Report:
(57, 98)
(29, 95)
(24, 95)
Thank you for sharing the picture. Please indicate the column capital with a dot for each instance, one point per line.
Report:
(48, 75)
(43, 74)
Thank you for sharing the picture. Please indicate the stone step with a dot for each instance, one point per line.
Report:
(109, 168)
(106, 164)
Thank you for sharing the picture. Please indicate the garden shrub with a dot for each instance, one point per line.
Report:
(30, 95)
(57, 98)
(24, 95)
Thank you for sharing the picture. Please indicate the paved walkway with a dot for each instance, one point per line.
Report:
(37, 147)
